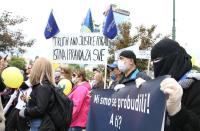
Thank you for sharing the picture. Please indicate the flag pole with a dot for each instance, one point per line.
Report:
(105, 77)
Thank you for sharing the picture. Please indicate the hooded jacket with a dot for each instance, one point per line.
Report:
(169, 58)
(81, 99)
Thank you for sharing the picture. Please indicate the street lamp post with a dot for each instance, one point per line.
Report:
(174, 27)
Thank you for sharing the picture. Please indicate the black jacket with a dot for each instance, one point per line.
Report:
(132, 76)
(41, 99)
(188, 119)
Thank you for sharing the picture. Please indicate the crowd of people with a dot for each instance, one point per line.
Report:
(26, 108)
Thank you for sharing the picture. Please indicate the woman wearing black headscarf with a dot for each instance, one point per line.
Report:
(183, 93)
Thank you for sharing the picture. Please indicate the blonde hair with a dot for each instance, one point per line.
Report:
(41, 70)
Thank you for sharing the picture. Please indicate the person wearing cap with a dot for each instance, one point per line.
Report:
(182, 90)
(127, 65)
(115, 74)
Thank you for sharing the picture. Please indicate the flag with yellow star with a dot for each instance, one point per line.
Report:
(51, 28)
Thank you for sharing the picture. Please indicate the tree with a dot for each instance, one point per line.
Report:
(11, 40)
(17, 62)
(144, 36)
(147, 40)
(123, 40)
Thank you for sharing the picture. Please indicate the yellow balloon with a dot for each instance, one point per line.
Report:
(12, 77)
(66, 85)
(55, 66)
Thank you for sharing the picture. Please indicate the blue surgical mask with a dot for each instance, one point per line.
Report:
(113, 76)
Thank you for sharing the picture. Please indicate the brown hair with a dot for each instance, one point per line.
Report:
(81, 73)
(67, 72)
(41, 70)
(98, 76)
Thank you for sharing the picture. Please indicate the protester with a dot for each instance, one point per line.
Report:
(28, 71)
(98, 82)
(81, 99)
(182, 92)
(14, 121)
(66, 75)
(3, 65)
(41, 98)
(115, 74)
(127, 65)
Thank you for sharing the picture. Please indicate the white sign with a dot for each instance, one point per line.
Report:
(134, 48)
(140, 54)
(143, 54)
(80, 49)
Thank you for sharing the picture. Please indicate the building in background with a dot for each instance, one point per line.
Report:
(120, 15)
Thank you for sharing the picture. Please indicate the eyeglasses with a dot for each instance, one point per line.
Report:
(73, 75)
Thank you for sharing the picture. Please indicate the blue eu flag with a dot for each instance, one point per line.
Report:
(110, 28)
(51, 28)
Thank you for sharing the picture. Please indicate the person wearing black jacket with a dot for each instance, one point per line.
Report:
(127, 65)
(41, 98)
(182, 90)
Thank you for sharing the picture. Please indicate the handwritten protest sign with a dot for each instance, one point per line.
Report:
(80, 49)
(129, 109)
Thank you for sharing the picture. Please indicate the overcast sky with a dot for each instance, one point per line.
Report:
(70, 13)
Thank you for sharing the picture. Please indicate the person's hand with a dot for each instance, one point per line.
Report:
(139, 82)
(170, 87)
(118, 87)
(25, 98)
(21, 113)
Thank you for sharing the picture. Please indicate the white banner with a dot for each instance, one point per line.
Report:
(80, 49)
(144, 54)
(140, 54)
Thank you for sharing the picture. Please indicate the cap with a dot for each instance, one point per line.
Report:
(113, 65)
(128, 54)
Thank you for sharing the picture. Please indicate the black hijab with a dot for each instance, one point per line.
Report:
(174, 59)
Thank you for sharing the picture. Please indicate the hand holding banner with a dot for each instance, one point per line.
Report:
(129, 109)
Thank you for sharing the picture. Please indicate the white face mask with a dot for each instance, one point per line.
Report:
(121, 66)
(74, 80)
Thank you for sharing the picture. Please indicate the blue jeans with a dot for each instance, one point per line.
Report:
(35, 124)
(75, 128)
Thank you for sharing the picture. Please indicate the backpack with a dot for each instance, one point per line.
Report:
(61, 111)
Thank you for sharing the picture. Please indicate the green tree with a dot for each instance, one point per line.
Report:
(12, 39)
(144, 36)
(123, 40)
(17, 62)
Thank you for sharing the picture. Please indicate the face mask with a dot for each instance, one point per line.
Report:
(74, 80)
(113, 76)
(121, 66)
